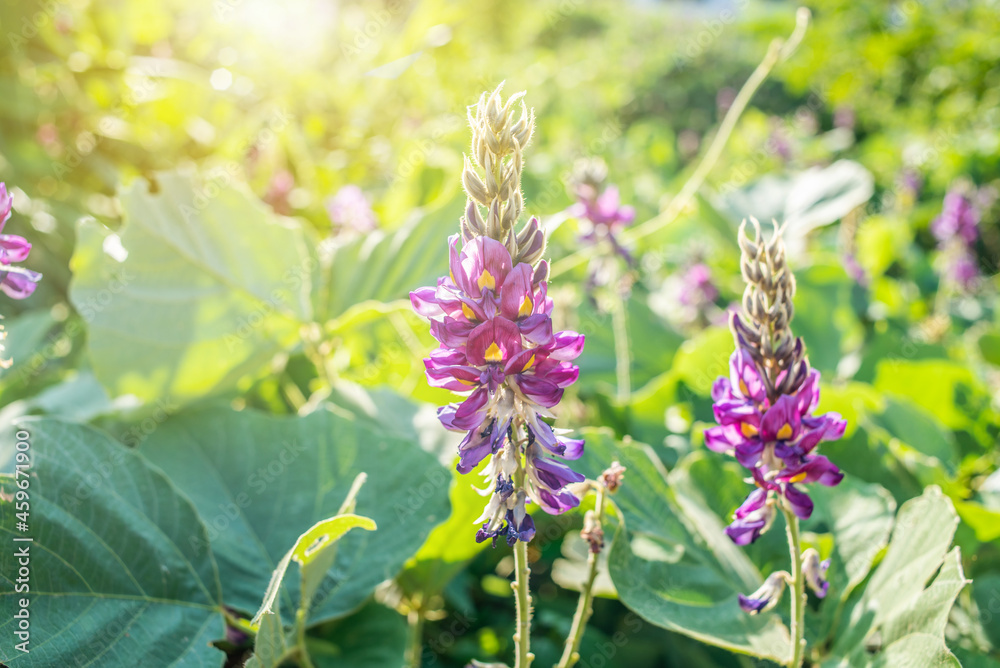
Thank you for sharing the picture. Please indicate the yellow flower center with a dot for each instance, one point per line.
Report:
(486, 280)
(743, 388)
(799, 478)
(785, 432)
(748, 429)
(493, 353)
(526, 307)
(531, 363)
(468, 311)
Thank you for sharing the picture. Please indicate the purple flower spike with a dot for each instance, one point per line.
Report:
(765, 406)
(349, 209)
(492, 317)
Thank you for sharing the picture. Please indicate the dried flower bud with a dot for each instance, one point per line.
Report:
(612, 477)
(592, 532)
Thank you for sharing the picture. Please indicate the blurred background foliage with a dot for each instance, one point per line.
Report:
(301, 99)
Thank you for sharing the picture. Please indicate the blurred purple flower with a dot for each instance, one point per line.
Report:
(15, 282)
(350, 209)
(606, 216)
(280, 187)
(697, 288)
(492, 319)
(959, 219)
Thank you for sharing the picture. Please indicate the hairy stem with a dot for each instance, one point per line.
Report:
(522, 633)
(416, 646)
(300, 635)
(585, 606)
(522, 593)
(798, 590)
(777, 52)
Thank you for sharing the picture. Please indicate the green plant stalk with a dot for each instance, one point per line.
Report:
(300, 635)
(798, 589)
(777, 52)
(585, 606)
(416, 645)
(522, 594)
(623, 358)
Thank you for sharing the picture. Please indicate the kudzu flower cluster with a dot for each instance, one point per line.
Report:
(16, 282)
(765, 410)
(492, 318)
(957, 231)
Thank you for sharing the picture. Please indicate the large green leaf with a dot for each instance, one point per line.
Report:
(651, 343)
(451, 545)
(897, 602)
(672, 563)
(261, 481)
(209, 287)
(120, 574)
(385, 266)
(373, 637)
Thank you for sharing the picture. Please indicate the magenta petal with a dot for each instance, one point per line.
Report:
(19, 283)
(540, 390)
(566, 346)
(722, 438)
(470, 412)
(13, 248)
(781, 421)
(6, 203)
(554, 475)
(556, 503)
(537, 328)
(572, 448)
(800, 502)
(493, 342)
(515, 290)
(425, 302)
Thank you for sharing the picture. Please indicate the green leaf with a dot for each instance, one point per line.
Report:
(920, 431)
(598, 363)
(261, 481)
(895, 601)
(373, 637)
(859, 516)
(920, 650)
(815, 197)
(213, 285)
(940, 387)
(385, 266)
(119, 568)
(451, 545)
(672, 563)
(308, 550)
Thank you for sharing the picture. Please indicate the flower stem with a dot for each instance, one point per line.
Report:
(521, 587)
(300, 635)
(777, 52)
(798, 590)
(623, 358)
(416, 646)
(522, 633)
(585, 606)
